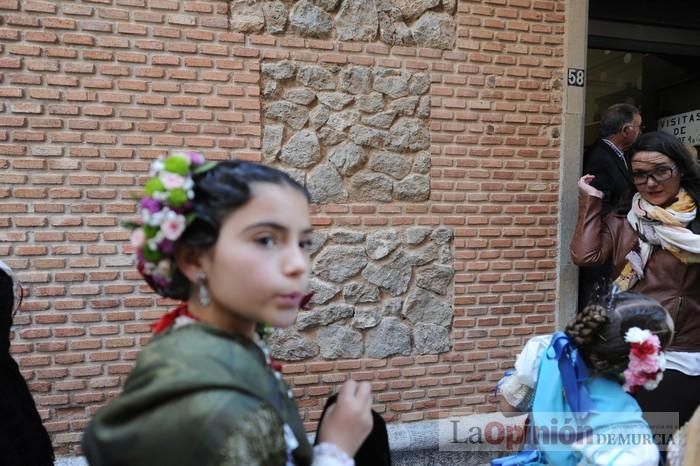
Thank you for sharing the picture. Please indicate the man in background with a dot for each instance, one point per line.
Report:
(620, 126)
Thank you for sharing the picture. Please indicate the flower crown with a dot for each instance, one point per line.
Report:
(165, 209)
(647, 361)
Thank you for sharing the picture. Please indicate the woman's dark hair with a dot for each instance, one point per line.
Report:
(23, 438)
(671, 147)
(7, 305)
(599, 328)
(218, 193)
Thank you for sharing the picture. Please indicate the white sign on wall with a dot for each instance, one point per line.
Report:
(685, 126)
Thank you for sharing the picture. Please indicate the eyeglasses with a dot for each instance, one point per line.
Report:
(641, 127)
(659, 174)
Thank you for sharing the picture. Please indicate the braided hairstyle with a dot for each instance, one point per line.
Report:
(599, 328)
(218, 193)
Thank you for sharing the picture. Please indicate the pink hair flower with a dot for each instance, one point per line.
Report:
(195, 157)
(172, 180)
(646, 360)
(173, 225)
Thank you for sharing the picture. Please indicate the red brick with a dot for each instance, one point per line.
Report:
(59, 23)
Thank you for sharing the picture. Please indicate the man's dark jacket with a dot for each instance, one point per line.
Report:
(612, 178)
(611, 174)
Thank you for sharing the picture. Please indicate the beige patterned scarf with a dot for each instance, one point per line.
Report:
(664, 227)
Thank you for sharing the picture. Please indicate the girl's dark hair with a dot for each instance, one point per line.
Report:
(599, 328)
(23, 438)
(671, 147)
(218, 193)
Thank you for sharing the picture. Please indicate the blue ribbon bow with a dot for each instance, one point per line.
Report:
(573, 373)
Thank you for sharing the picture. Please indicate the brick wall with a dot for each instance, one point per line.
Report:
(93, 90)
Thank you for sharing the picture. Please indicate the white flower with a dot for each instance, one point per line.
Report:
(173, 225)
(156, 167)
(154, 219)
(637, 335)
(652, 384)
(171, 180)
(160, 195)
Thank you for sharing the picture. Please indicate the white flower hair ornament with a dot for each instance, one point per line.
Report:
(646, 360)
(165, 210)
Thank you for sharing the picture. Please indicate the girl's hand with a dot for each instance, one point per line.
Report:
(348, 422)
(584, 186)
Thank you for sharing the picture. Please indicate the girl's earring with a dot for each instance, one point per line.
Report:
(203, 292)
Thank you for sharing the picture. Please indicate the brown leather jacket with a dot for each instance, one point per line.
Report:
(674, 284)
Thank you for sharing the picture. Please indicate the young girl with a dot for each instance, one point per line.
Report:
(576, 384)
(232, 241)
(23, 438)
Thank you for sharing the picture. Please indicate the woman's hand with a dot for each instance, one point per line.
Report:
(584, 186)
(348, 422)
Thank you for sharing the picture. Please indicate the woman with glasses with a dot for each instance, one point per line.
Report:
(23, 439)
(653, 242)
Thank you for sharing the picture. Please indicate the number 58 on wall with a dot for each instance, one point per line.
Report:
(575, 77)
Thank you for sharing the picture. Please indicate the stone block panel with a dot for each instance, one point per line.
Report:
(377, 294)
(423, 23)
(348, 133)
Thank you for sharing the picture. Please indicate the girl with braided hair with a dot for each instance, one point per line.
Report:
(231, 240)
(577, 384)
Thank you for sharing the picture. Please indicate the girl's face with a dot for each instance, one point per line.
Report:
(656, 177)
(258, 270)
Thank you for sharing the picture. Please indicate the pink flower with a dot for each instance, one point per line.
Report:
(644, 349)
(195, 157)
(646, 361)
(648, 364)
(172, 180)
(138, 238)
(633, 380)
(173, 225)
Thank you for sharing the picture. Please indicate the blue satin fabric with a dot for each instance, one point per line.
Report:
(573, 373)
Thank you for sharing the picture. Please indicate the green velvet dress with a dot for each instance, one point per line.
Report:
(199, 396)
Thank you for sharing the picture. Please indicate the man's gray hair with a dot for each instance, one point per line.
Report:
(615, 118)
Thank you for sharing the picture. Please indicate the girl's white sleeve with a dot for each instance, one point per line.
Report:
(518, 386)
(328, 454)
